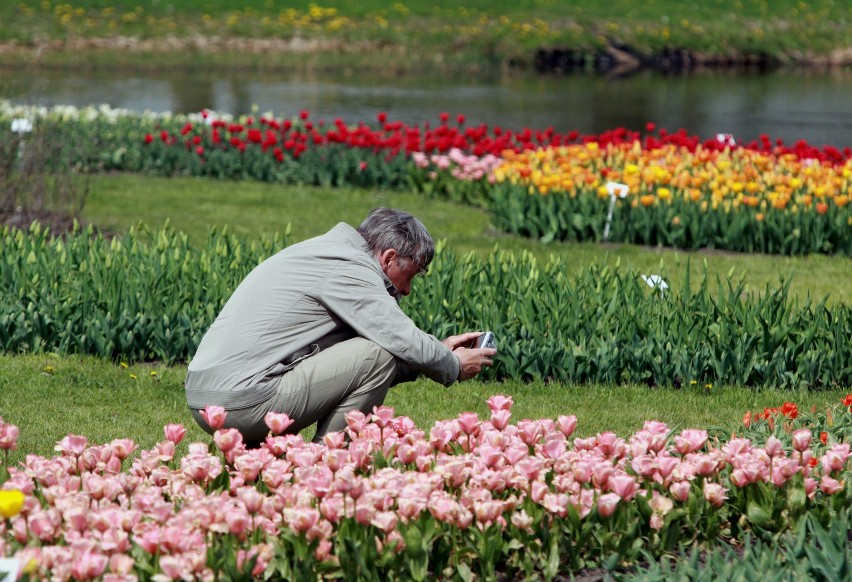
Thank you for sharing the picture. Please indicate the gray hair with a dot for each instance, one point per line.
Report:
(386, 228)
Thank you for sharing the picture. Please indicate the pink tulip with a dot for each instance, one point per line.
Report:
(317, 479)
(680, 490)
(705, 465)
(165, 451)
(835, 458)
(774, 447)
(227, 439)
(556, 503)
(607, 504)
(278, 422)
(553, 447)
(530, 432)
(334, 440)
(214, 416)
(72, 445)
(356, 420)
(237, 520)
(586, 444)
(830, 486)
(500, 402)
(89, 565)
(248, 467)
(522, 520)
(385, 521)
(538, 490)
(567, 424)
(500, 418)
(491, 456)
(516, 453)
(802, 439)
(383, 415)
(624, 486)
(469, 422)
(174, 432)
(252, 498)
(121, 564)
(8, 436)
(739, 478)
(607, 443)
(690, 441)
(174, 568)
(715, 494)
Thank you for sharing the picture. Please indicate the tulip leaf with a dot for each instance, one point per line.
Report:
(757, 514)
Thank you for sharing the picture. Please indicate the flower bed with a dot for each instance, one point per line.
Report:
(82, 293)
(473, 496)
(762, 196)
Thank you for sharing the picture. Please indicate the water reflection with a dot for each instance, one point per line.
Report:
(786, 105)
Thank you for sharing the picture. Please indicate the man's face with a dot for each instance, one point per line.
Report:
(400, 269)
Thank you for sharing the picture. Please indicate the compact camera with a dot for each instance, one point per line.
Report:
(486, 340)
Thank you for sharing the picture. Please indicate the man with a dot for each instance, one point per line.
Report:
(315, 331)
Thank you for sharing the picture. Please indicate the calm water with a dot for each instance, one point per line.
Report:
(784, 105)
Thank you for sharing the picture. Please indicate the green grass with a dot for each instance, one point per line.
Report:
(251, 209)
(48, 396)
(423, 35)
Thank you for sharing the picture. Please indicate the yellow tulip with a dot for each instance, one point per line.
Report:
(11, 502)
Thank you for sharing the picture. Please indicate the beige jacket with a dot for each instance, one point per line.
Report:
(301, 300)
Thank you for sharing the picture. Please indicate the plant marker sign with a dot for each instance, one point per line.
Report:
(8, 569)
(614, 189)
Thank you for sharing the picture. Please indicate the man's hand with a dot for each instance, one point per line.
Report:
(471, 360)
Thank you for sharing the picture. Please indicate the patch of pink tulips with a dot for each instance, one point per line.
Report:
(472, 493)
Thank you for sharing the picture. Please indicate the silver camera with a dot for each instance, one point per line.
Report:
(486, 340)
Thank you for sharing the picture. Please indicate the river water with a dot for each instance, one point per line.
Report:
(791, 106)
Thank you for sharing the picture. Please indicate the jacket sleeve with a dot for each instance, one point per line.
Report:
(356, 294)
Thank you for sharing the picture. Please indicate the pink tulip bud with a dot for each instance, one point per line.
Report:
(8, 436)
(830, 486)
(356, 420)
(690, 440)
(500, 418)
(214, 416)
(810, 486)
(715, 494)
(680, 490)
(278, 422)
(607, 504)
(468, 422)
(802, 439)
(383, 415)
(174, 432)
(72, 444)
(227, 439)
(567, 424)
(774, 447)
(500, 402)
(334, 440)
(624, 486)
(89, 565)
(122, 448)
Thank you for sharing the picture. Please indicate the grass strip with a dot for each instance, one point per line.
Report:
(250, 209)
(49, 396)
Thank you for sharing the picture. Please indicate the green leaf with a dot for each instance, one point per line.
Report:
(757, 514)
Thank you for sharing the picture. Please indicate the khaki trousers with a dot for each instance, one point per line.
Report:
(355, 374)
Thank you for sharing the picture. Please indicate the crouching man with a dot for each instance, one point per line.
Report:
(316, 331)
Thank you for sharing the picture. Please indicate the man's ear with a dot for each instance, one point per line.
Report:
(385, 258)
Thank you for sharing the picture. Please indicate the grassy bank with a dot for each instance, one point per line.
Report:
(49, 396)
(416, 35)
(250, 209)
